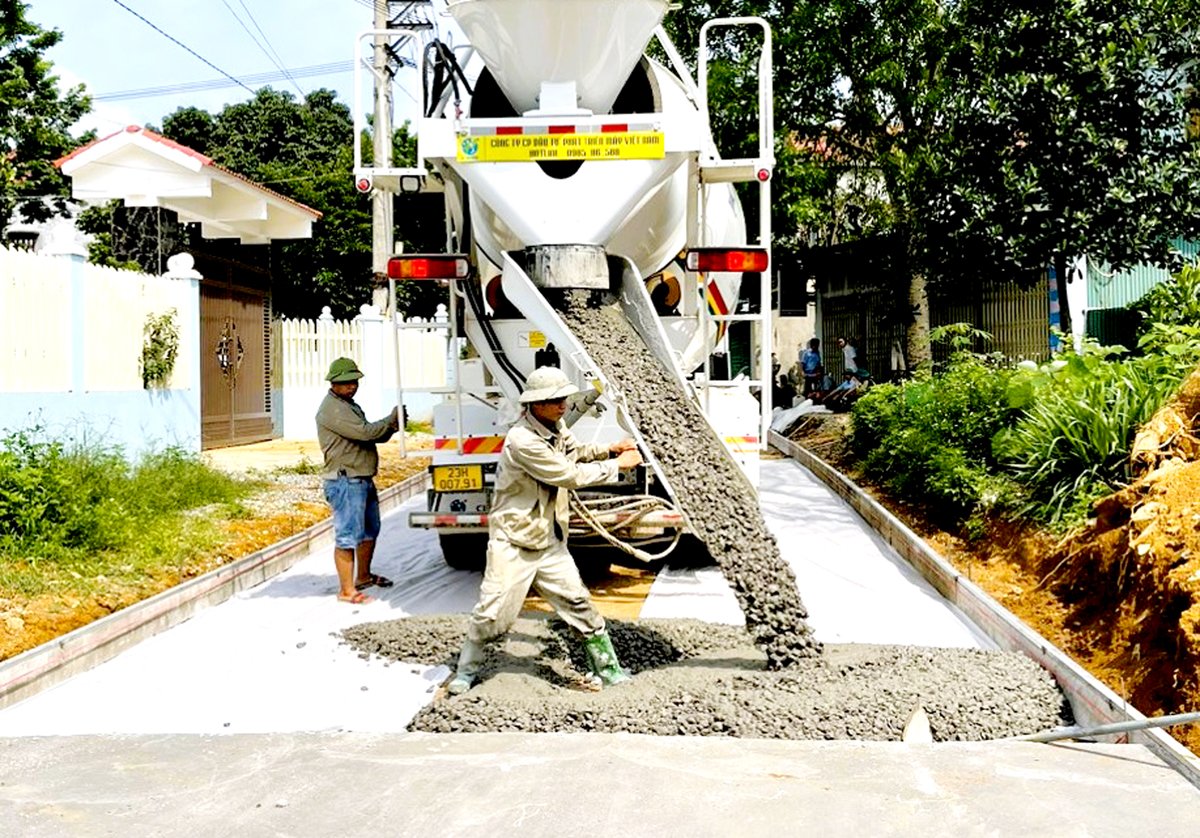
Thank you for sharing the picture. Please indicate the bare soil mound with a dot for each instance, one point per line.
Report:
(1131, 580)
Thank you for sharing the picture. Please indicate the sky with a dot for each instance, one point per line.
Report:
(108, 49)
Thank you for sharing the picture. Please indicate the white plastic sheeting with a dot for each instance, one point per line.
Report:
(857, 589)
(267, 660)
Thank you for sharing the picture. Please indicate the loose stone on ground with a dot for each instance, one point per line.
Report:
(695, 678)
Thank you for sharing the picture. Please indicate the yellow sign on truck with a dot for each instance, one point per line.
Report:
(524, 148)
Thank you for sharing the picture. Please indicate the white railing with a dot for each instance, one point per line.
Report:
(303, 350)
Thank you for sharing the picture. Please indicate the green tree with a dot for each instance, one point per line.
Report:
(35, 118)
(988, 138)
(1066, 131)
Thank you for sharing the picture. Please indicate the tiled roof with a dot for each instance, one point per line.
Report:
(204, 160)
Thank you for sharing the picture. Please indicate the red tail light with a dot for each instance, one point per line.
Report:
(428, 267)
(731, 260)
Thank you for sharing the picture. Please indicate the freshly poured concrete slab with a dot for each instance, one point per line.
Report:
(588, 784)
(856, 588)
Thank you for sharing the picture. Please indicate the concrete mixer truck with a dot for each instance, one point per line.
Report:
(589, 219)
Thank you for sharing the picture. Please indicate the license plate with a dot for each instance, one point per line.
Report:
(457, 478)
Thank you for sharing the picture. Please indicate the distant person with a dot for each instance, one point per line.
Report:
(842, 396)
(849, 354)
(540, 463)
(814, 370)
(899, 364)
(783, 394)
(351, 461)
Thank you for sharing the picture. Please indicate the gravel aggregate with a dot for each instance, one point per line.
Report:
(768, 680)
(708, 484)
(694, 678)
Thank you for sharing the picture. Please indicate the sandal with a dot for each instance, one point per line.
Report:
(358, 598)
(376, 580)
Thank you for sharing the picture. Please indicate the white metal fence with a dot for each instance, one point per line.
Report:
(303, 350)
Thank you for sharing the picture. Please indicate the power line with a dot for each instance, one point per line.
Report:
(271, 55)
(328, 69)
(250, 15)
(179, 43)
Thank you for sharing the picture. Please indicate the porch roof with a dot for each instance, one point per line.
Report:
(145, 169)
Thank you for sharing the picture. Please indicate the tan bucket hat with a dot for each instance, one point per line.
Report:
(545, 384)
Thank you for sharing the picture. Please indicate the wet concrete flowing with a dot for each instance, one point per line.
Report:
(709, 486)
(767, 680)
(695, 678)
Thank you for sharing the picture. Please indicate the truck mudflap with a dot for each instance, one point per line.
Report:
(630, 524)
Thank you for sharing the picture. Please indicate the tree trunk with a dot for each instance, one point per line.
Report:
(920, 353)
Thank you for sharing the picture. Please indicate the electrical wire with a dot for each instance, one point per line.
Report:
(176, 41)
(274, 59)
(328, 69)
(274, 52)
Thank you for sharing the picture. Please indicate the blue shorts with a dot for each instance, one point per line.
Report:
(355, 506)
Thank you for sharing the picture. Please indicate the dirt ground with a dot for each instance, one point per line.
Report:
(1122, 596)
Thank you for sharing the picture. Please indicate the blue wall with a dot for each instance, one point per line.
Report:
(137, 421)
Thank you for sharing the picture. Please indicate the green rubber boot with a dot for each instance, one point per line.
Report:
(604, 661)
(470, 659)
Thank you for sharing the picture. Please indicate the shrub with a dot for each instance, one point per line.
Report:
(1072, 443)
(1175, 302)
(63, 503)
(160, 348)
(930, 439)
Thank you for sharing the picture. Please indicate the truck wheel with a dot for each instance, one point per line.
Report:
(467, 551)
(593, 562)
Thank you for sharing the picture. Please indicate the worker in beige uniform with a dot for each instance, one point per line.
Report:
(527, 528)
(348, 442)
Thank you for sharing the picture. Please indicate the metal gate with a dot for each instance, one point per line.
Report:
(235, 375)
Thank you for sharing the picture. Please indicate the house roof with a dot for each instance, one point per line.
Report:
(146, 169)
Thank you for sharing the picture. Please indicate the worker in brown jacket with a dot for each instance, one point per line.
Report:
(351, 461)
(540, 464)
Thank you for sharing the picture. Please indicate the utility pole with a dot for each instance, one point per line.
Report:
(382, 200)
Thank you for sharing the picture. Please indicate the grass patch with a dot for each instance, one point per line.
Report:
(73, 513)
(304, 467)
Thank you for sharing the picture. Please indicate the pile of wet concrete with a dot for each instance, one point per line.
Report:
(709, 486)
(695, 678)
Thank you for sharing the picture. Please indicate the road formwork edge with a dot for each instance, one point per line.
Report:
(44, 666)
(1092, 702)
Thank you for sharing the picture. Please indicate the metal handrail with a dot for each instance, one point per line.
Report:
(764, 164)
